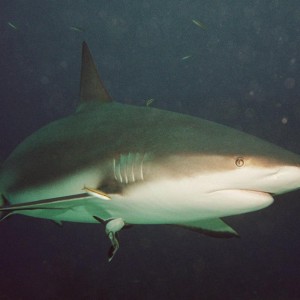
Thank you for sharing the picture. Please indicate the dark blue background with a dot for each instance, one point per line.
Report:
(243, 72)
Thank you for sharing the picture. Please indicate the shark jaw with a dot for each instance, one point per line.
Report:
(118, 165)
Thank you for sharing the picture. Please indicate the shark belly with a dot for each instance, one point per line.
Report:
(163, 211)
(164, 203)
(150, 202)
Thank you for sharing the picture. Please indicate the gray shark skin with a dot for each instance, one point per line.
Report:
(119, 164)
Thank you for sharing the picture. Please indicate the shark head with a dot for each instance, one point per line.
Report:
(119, 164)
(236, 162)
(208, 170)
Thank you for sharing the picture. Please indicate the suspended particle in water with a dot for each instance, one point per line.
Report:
(284, 120)
(289, 83)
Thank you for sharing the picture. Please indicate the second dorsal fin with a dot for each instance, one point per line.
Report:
(91, 86)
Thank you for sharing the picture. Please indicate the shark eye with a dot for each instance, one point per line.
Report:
(239, 162)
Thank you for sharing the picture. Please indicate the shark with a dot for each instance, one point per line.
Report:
(122, 165)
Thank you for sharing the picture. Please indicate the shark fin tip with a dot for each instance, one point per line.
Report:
(91, 86)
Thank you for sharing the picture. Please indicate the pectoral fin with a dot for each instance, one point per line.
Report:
(112, 227)
(211, 227)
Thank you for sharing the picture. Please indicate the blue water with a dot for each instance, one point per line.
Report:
(243, 71)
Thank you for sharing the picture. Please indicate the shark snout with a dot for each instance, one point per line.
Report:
(285, 179)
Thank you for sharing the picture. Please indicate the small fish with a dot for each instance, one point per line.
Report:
(78, 29)
(186, 57)
(149, 102)
(96, 193)
(12, 25)
(199, 24)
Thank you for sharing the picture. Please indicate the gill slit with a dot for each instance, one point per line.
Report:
(125, 168)
(130, 167)
(142, 171)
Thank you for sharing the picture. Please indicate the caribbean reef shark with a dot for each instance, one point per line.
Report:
(122, 165)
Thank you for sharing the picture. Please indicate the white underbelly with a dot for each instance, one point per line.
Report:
(160, 202)
(144, 205)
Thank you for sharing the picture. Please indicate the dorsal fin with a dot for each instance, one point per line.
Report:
(91, 86)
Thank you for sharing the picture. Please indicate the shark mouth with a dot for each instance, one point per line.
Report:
(243, 200)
